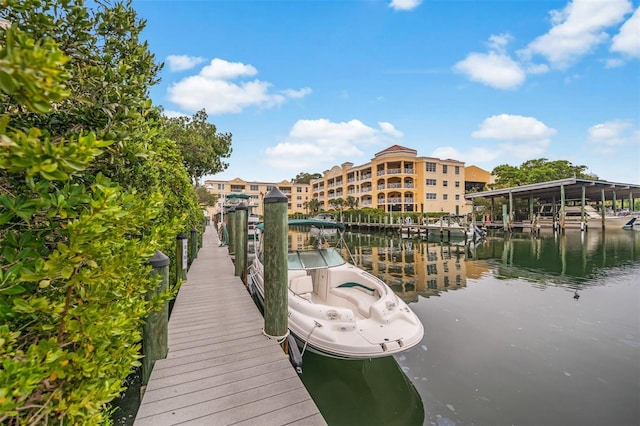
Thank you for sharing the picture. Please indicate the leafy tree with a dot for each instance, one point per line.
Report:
(201, 146)
(206, 198)
(535, 171)
(90, 187)
(305, 177)
(351, 202)
(314, 206)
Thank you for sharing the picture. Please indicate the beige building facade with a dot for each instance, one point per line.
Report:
(298, 194)
(396, 179)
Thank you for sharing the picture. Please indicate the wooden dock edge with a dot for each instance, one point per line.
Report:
(220, 368)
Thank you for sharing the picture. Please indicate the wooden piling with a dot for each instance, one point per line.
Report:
(155, 330)
(231, 214)
(194, 243)
(181, 256)
(275, 264)
(241, 230)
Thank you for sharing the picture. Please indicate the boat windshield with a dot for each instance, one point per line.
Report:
(320, 258)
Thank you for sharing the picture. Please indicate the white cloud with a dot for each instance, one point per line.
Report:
(295, 94)
(627, 41)
(320, 144)
(404, 4)
(576, 30)
(219, 69)
(389, 129)
(521, 137)
(172, 114)
(214, 90)
(608, 137)
(183, 62)
(513, 127)
(495, 68)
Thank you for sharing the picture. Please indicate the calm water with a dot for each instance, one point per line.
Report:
(524, 331)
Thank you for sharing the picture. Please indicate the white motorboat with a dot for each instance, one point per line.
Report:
(337, 309)
(633, 224)
(574, 216)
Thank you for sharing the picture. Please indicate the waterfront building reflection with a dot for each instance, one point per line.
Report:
(413, 268)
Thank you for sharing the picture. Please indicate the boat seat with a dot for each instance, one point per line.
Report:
(351, 285)
(302, 286)
(357, 295)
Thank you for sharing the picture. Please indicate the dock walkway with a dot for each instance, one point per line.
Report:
(221, 369)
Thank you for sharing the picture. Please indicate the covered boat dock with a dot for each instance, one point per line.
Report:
(610, 199)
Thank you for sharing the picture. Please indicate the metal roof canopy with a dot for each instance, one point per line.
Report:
(547, 191)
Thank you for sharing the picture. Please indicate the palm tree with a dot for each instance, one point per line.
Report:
(314, 205)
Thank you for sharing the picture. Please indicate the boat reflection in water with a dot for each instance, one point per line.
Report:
(508, 340)
(414, 268)
(362, 392)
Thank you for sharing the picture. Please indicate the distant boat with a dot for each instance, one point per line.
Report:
(325, 216)
(573, 215)
(633, 224)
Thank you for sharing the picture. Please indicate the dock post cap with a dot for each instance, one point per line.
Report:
(181, 236)
(159, 260)
(275, 196)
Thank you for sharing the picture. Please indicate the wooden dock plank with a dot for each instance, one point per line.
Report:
(233, 405)
(220, 368)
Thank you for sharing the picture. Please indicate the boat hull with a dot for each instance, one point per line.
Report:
(336, 327)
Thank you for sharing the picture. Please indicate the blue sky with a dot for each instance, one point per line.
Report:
(306, 85)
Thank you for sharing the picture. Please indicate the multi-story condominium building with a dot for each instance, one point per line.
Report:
(298, 194)
(397, 180)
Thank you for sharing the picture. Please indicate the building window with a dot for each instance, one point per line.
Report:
(445, 197)
(457, 184)
(445, 182)
(457, 197)
(431, 182)
(431, 167)
(221, 186)
(431, 196)
(298, 189)
(457, 170)
(253, 187)
(444, 169)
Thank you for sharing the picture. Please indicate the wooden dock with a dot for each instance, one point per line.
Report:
(221, 369)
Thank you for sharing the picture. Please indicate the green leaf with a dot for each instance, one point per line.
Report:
(13, 290)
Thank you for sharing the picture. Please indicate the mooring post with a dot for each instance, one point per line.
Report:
(505, 218)
(583, 221)
(155, 330)
(181, 256)
(242, 230)
(231, 214)
(562, 209)
(511, 215)
(194, 244)
(602, 209)
(276, 228)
